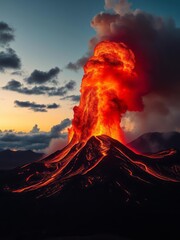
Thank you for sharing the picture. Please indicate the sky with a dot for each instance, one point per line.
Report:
(43, 46)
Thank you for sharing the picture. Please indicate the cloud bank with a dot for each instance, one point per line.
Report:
(16, 86)
(35, 139)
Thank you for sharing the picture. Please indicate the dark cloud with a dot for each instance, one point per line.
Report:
(73, 98)
(155, 43)
(70, 85)
(40, 90)
(35, 139)
(9, 60)
(53, 106)
(60, 127)
(40, 77)
(13, 84)
(8, 57)
(35, 106)
(31, 105)
(6, 33)
(61, 91)
(16, 86)
(78, 64)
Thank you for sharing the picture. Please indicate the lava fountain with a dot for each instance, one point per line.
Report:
(109, 88)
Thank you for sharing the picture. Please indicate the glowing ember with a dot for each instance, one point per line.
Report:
(110, 87)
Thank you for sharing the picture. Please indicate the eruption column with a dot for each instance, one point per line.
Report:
(109, 88)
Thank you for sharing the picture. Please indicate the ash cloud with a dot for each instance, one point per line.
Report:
(40, 77)
(35, 106)
(35, 140)
(155, 43)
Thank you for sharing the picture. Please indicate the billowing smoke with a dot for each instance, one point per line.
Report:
(155, 42)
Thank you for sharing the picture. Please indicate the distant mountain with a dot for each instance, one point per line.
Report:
(156, 141)
(12, 159)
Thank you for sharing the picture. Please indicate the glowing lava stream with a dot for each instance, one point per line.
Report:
(57, 173)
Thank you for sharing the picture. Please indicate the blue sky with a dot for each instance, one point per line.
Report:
(49, 34)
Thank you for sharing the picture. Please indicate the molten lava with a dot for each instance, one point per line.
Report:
(110, 87)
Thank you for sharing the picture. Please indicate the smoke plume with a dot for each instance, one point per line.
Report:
(155, 43)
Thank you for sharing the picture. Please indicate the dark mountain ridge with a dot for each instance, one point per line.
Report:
(11, 159)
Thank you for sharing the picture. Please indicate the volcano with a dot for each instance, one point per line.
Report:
(101, 159)
(94, 186)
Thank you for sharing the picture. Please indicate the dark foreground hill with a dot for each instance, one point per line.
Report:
(12, 159)
(96, 187)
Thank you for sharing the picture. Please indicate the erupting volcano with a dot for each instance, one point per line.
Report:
(97, 177)
(110, 87)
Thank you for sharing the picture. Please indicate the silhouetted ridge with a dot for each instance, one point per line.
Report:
(11, 159)
(156, 141)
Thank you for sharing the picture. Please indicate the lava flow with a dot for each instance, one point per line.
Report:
(110, 87)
